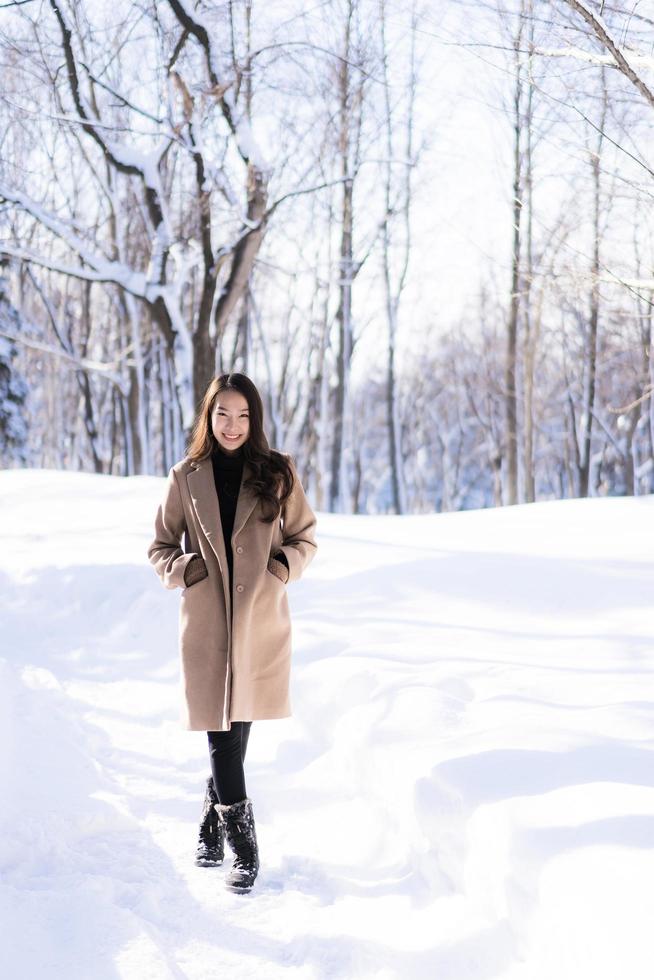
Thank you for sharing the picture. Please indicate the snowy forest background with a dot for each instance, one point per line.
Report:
(424, 230)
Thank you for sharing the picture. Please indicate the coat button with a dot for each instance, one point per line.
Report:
(239, 550)
(239, 588)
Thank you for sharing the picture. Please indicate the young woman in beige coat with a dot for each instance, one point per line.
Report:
(247, 532)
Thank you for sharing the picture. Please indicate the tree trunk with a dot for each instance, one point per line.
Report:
(338, 496)
(511, 455)
(591, 346)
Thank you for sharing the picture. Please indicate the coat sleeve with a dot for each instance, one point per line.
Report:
(298, 529)
(165, 552)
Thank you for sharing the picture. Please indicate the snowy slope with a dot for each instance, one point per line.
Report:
(465, 789)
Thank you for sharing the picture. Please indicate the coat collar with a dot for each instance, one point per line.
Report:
(202, 489)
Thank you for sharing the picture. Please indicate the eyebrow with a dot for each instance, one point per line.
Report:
(224, 409)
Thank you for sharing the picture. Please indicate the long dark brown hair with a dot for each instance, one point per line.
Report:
(272, 478)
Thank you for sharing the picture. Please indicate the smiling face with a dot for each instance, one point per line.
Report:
(230, 420)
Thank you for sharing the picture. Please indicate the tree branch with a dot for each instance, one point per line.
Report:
(602, 32)
(80, 363)
(239, 127)
(124, 159)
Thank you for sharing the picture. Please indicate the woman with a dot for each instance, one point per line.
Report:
(248, 531)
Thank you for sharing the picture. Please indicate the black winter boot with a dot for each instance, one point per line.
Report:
(211, 840)
(238, 821)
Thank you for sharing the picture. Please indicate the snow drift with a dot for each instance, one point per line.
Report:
(465, 789)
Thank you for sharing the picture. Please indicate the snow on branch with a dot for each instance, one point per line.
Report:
(238, 123)
(645, 284)
(603, 33)
(96, 267)
(126, 159)
(591, 57)
(110, 272)
(85, 363)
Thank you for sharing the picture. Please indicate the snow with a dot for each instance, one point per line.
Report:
(593, 58)
(604, 33)
(245, 140)
(99, 268)
(465, 788)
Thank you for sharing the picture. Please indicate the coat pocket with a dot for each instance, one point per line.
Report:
(196, 571)
(278, 569)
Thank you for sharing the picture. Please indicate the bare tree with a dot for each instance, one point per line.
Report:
(398, 118)
(350, 88)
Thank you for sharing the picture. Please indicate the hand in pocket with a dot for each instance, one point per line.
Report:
(195, 571)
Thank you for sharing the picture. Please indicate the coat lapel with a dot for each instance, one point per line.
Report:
(247, 499)
(202, 489)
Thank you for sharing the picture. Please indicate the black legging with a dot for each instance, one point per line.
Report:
(227, 755)
(227, 749)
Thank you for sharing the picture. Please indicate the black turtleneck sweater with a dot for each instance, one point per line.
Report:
(227, 474)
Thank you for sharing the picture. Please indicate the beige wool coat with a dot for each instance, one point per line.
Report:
(235, 650)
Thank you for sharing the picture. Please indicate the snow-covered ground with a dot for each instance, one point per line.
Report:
(465, 789)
